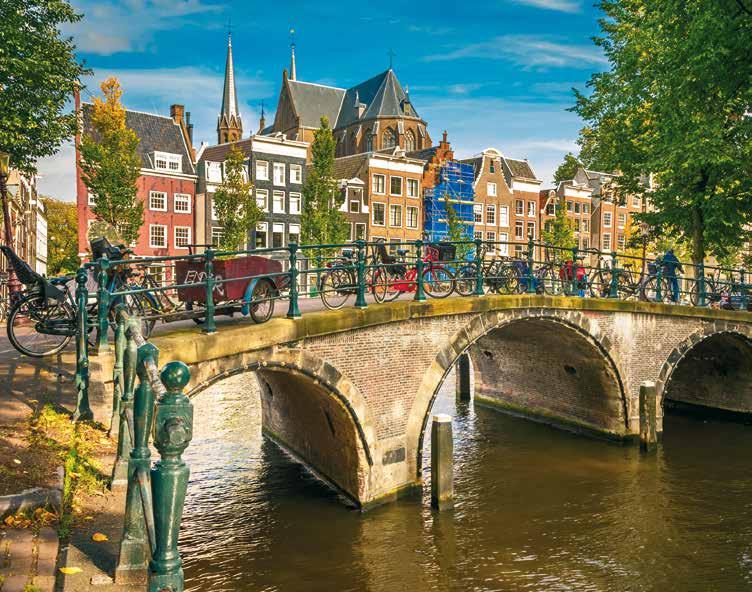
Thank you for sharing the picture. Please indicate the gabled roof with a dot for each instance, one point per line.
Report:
(311, 101)
(382, 95)
(350, 167)
(424, 154)
(155, 133)
(219, 152)
(519, 169)
(477, 164)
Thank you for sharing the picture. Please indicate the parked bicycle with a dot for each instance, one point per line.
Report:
(394, 276)
(340, 280)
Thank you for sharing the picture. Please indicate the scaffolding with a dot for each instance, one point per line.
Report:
(455, 181)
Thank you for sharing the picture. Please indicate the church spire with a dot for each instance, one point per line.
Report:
(293, 73)
(229, 124)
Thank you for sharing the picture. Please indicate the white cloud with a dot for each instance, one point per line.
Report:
(128, 26)
(530, 52)
(560, 5)
(57, 174)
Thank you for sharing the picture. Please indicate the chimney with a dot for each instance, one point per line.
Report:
(444, 137)
(176, 112)
(189, 126)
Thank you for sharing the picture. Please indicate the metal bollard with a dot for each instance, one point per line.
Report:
(209, 324)
(530, 262)
(138, 531)
(420, 293)
(573, 289)
(173, 430)
(83, 410)
(478, 267)
(614, 292)
(125, 431)
(360, 295)
(103, 306)
(293, 312)
(442, 463)
(117, 375)
(648, 417)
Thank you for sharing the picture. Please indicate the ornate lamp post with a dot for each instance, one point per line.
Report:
(13, 283)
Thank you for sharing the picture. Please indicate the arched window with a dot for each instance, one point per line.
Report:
(388, 138)
(353, 144)
(409, 141)
(369, 141)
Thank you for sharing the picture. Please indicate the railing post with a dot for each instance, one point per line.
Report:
(209, 324)
(743, 289)
(83, 410)
(478, 267)
(420, 293)
(103, 306)
(134, 546)
(173, 430)
(125, 432)
(530, 262)
(293, 312)
(360, 295)
(701, 295)
(117, 374)
(614, 293)
(575, 253)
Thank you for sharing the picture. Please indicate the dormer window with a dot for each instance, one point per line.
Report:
(164, 161)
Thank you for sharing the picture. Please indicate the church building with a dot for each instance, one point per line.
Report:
(374, 115)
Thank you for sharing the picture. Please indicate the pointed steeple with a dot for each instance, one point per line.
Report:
(262, 119)
(293, 69)
(229, 124)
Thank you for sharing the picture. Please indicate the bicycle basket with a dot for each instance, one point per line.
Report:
(25, 274)
(447, 251)
(101, 247)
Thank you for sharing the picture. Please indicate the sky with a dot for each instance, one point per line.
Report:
(495, 73)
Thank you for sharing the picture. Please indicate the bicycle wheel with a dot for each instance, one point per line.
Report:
(383, 286)
(465, 282)
(438, 281)
(34, 312)
(551, 283)
(335, 287)
(262, 297)
(649, 291)
(711, 294)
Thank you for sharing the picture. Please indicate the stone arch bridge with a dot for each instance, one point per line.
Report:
(350, 392)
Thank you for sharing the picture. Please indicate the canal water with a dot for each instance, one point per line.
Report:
(535, 509)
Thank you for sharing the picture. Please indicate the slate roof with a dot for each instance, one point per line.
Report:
(349, 167)
(424, 154)
(519, 168)
(314, 100)
(218, 152)
(382, 95)
(477, 164)
(155, 132)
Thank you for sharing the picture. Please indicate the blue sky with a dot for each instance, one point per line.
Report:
(492, 73)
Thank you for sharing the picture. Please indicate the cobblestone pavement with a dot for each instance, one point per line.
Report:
(28, 559)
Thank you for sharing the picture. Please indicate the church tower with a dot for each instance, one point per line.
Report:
(229, 123)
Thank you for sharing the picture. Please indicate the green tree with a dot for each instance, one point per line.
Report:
(110, 164)
(567, 169)
(560, 231)
(234, 204)
(456, 229)
(322, 222)
(62, 236)
(676, 103)
(38, 74)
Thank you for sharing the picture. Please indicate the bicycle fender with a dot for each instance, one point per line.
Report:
(245, 308)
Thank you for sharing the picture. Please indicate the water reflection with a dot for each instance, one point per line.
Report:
(536, 509)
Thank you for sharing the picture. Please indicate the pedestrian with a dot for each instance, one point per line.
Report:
(670, 266)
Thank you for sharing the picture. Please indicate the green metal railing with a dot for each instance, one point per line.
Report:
(149, 401)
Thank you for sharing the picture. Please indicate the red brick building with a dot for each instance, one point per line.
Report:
(166, 185)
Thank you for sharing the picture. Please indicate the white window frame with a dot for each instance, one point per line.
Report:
(373, 213)
(261, 227)
(527, 228)
(375, 178)
(504, 216)
(503, 248)
(296, 198)
(169, 160)
(519, 225)
(264, 193)
(365, 229)
(607, 219)
(293, 229)
(407, 217)
(278, 228)
(279, 170)
(391, 207)
(491, 189)
(183, 198)
(214, 167)
(606, 239)
(478, 213)
(298, 177)
(519, 207)
(164, 197)
(263, 167)
(621, 220)
(490, 209)
(636, 203)
(531, 207)
(188, 238)
(151, 242)
(276, 194)
(402, 184)
(414, 184)
(90, 198)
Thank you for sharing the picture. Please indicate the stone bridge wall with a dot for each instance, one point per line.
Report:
(350, 391)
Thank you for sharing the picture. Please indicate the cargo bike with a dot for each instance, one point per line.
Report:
(246, 284)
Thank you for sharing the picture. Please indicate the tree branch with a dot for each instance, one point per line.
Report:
(744, 8)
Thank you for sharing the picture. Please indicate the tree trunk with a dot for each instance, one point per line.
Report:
(698, 236)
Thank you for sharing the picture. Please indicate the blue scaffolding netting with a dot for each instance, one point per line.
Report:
(455, 182)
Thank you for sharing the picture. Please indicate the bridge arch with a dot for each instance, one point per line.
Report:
(312, 410)
(577, 336)
(710, 369)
